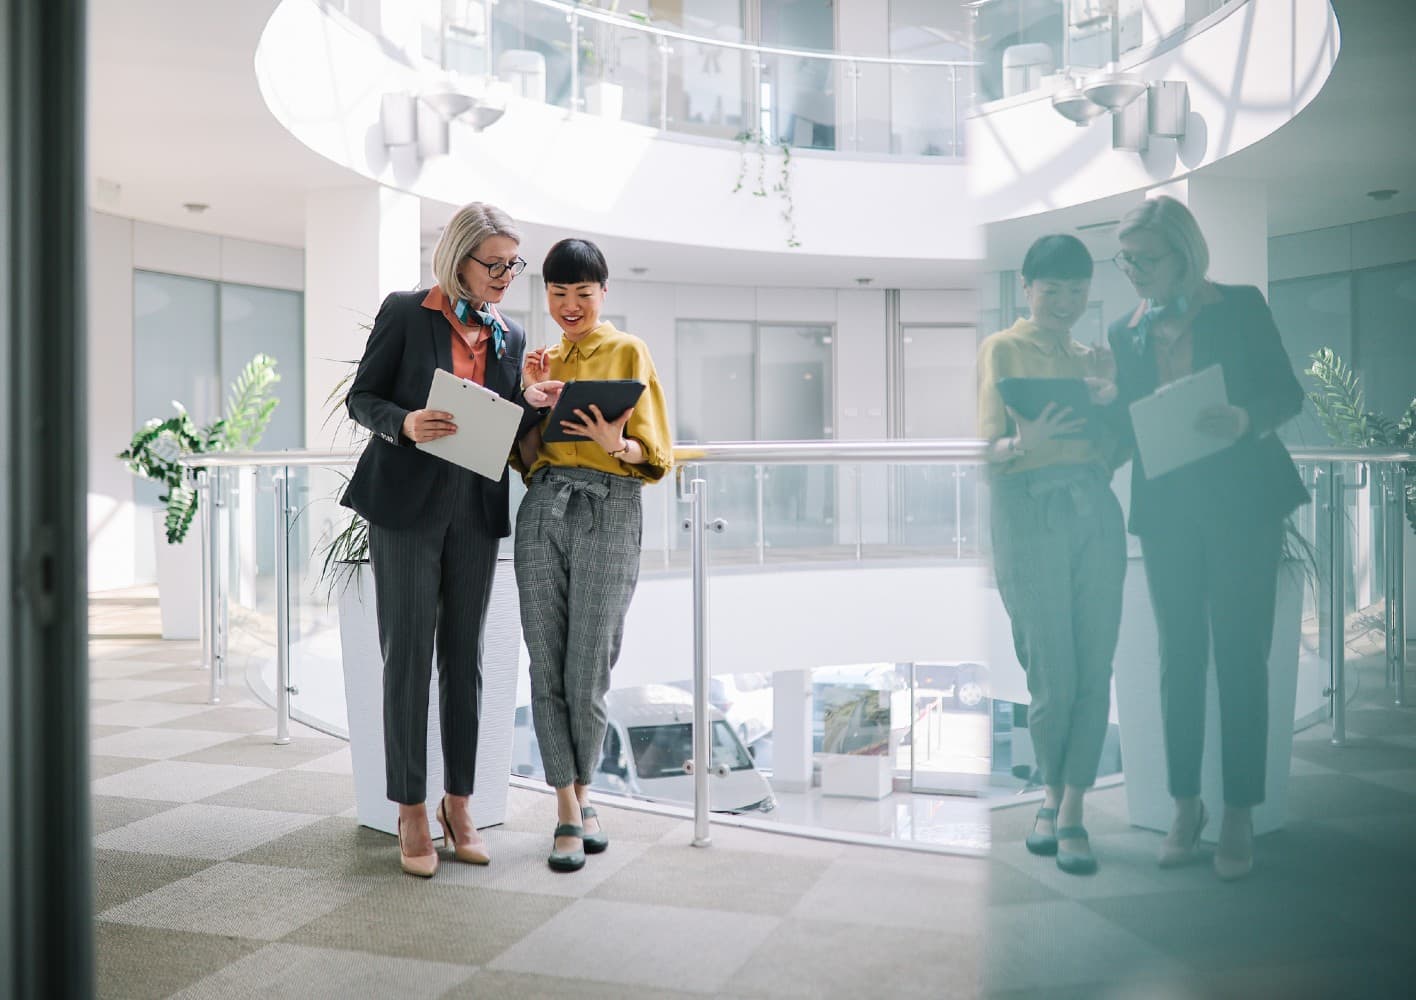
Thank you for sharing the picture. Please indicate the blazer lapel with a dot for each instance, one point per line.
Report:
(441, 332)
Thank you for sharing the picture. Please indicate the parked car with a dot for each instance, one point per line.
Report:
(965, 683)
(745, 701)
(648, 745)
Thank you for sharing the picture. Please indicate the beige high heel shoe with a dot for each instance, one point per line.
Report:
(462, 852)
(423, 865)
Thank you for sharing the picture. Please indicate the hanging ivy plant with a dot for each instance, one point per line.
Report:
(783, 185)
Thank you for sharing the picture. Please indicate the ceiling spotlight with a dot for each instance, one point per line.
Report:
(864, 281)
(638, 270)
(1382, 194)
(198, 207)
(1113, 91)
(1073, 105)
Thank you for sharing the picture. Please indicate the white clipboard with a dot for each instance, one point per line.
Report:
(486, 425)
(1164, 422)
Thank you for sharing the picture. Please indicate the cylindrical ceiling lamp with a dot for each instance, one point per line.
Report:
(1169, 102)
(1128, 126)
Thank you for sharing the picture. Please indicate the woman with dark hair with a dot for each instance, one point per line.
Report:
(1059, 545)
(1212, 531)
(578, 535)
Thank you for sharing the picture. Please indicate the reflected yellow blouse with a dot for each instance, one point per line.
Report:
(607, 353)
(1025, 350)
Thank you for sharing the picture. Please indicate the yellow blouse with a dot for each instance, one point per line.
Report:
(1024, 350)
(607, 353)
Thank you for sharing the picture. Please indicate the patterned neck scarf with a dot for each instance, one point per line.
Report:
(1155, 312)
(484, 317)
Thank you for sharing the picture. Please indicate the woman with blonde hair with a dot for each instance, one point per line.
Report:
(1212, 531)
(434, 526)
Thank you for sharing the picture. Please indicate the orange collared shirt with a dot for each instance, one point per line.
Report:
(469, 343)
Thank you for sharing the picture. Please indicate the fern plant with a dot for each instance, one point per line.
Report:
(345, 548)
(157, 447)
(1342, 407)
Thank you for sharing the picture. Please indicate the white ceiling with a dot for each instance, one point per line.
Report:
(175, 116)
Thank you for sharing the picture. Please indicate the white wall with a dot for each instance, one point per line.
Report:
(120, 543)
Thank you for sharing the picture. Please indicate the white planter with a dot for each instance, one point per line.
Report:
(857, 776)
(179, 580)
(1137, 677)
(363, 692)
(605, 100)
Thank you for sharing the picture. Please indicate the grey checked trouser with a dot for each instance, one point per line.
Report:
(577, 562)
(1059, 552)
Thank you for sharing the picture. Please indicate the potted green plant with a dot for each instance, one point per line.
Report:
(155, 453)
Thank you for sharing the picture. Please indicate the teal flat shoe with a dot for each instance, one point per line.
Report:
(595, 843)
(1043, 845)
(568, 861)
(1075, 863)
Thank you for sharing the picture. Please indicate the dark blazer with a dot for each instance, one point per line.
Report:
(1253, 478)
(394, 482)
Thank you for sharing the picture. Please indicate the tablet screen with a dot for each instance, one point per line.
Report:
(612, 396)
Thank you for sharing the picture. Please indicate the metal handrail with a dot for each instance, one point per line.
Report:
(889, 452)
(620, 21)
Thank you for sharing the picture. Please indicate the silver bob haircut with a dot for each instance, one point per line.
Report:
(464, 233)
(1171, 221)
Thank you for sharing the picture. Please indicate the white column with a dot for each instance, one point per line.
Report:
(1233, 215)
(791, 730)
(360, 244)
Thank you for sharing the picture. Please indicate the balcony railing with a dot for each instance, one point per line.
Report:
(582, 58)
(264, 515)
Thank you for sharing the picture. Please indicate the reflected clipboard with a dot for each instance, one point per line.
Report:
(1164, 422)
(486, 425)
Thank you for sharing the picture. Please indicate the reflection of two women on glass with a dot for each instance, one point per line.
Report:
(434, 527)
(1210, 530)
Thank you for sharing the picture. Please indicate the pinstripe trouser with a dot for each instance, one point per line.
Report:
(433, 579)
(577, 562)
(1059, 551)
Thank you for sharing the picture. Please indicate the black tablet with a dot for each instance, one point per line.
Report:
(613, 396)
(1030, 396)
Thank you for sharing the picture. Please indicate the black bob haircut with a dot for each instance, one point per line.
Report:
(574, 262)
(1060, 257)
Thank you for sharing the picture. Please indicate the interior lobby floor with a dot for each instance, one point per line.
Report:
(226, 866)
(1327, 912)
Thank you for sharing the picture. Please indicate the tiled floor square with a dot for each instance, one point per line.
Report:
(177, 781)
(655, 946)
(138, 713)
(332, 843)
(1058, 944)
(867, 894)
(110, 812)
(102, 767)
(823, 959)
(339, 762)
(495, 984)
(130, 688)
(140, 963)
(154, 743)
(716, 878)
(431, 921)
(250, 901)
(261, 751)
(292, 972)
(119, 876)
(202, 831)
(241, 718)
(292, 791)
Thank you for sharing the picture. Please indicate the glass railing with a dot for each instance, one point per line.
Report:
(1021, 43)
(586, 59)
(849, 582)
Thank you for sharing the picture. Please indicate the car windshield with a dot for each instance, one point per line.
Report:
(660, 751)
